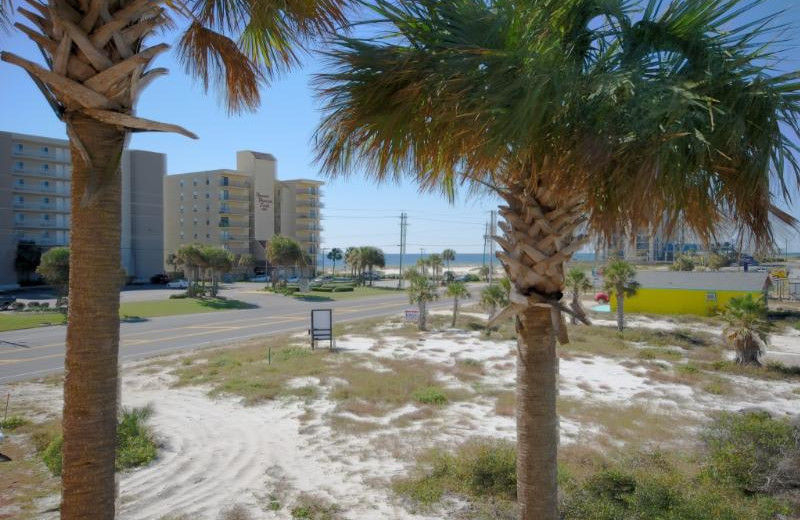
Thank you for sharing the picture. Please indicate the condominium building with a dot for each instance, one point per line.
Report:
(242, 209)
(35, 175)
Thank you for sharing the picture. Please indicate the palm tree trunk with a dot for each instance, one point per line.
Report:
(539, 238)
(422, 315)
(537, 422)
(91, 376)
(575, 303)
(620, 310)
(455, 311)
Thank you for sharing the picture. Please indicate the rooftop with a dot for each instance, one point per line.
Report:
(707, 281)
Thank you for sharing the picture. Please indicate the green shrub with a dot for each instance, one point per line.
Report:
(12, 423)
(52, 455)
(179, 296)
(745, 449)
(45, 305)
(429, 395)
(17, 306)
(472, 278)
(135, 444)
(786, 370)
(34, 306)
(344, 289)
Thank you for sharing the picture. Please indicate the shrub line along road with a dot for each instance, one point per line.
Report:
(31, 353)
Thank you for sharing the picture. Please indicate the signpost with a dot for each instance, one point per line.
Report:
(321, 327)
(412, 315)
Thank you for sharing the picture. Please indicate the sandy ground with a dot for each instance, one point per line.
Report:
(218, 453)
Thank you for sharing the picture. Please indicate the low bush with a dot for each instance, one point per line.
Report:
(753, 452)
(178, 296)
(472, 278)
(33, 305)
(135, 444)
(45, 305)
(344, 289)
(430, 395)
(12, 423)
(312, 508)
(17, 306)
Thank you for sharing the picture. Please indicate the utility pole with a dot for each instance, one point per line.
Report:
(492, 231)
(422, 258)
(485, 237)
(403, 226)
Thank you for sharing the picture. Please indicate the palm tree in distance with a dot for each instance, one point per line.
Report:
(97, 57)
(457, 291)
(568, 110)
(334, 255)
(421, 291)
(577, 282)
(449, 255)
(619, 277)
(435, 261)
(748, 328)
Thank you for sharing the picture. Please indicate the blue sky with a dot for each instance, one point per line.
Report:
(357, 212)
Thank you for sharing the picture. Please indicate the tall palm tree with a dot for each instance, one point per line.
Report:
(619, 277)
(334, 255)
(577, 282)
(748, 328)
(283, 252)
(96, 65)
(573, 112)
(435, 261)
(219, 262)
(421, 291)
(457, 291)
(448, 255)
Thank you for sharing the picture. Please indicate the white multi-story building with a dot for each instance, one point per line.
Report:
(35, 185)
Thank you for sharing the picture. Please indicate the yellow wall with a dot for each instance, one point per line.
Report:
(678, 301)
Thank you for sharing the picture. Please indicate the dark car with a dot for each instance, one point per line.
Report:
(160, 279)
(6, 300)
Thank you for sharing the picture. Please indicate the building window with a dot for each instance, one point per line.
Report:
(19, 165)
(181, 183)
(194, 195)
(194, 208)
(46, 200)
(181, 196)
(46, 184)
(208, 182)
(225, 195)
(18, 147)
(208, 195)
(45, 217)
(225, 181)
(45, 167)
(181, 235)
(194, 221)
(21, 182)
(45, 149)
(181, 222)
(711, 297)
(223, 222)
(208, 235)
(208, 208)
(195, 235)
(194, 183)
(208, 222)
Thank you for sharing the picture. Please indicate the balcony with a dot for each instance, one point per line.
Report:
(307, 216)
(38, 154)
(35, 172)
(30, 188)
(231, 183)
(234, 237)
(235, 198)
(316, 192)
(233, 224)
(49, 241)
(233, 210)
(24, 206)
(310, 203)
(39, 224)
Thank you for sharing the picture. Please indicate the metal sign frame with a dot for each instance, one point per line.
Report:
(321, 327)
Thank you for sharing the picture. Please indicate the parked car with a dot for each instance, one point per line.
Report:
(178, 284)
(293, 279)
(6, 300)
(260, 278)
(160, 279)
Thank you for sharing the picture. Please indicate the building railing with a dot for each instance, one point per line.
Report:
(235, 198)
(232, 184)
(41, 155)
(52, 174)
(41, 241)
(234, 238)
(232, 224)
(233, 210)
(308, 191)
(40, 224)
(40, 207)
(310, 203)
(39, 189)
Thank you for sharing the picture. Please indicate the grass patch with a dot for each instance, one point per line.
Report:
(135, 443)
(156, 308)
(308, 507)
(358, 292)
(773, 371)
(13, 422)
(430, 395)
(28, 320)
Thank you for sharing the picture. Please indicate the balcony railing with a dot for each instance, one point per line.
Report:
(40, 207)
(232, 224)
(308, 191)
(50, 156)
(232, 184)
(50, 174)
(234, 238)
(41, 241)
(39, 224)
(235, 198)
(233, 210)
(311, 203)
(39, 189)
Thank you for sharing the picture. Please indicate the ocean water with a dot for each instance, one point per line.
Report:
(393, 259)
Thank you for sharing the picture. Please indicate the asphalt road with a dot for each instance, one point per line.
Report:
(31, 353)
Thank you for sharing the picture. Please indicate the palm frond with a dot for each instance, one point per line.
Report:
(677, 105)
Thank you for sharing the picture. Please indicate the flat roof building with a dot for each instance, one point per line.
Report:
(242, 209)
(35, 182)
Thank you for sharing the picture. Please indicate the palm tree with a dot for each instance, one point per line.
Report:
(421, 291)
(371, 257)
(569, 111)
(54, 268)
(422, 263)
(192, 258)
(334, 255)
(577, 282)
(457, 291)
(747, 330)
(352, 257)
(246, 262)
(494, 297)
(282, 252)
(435, 261)
(97, 59)
(619, 277)
(219, 262)
(448, 255)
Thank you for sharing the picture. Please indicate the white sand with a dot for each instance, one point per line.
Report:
(218, 453)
